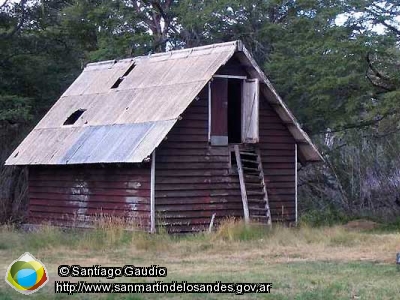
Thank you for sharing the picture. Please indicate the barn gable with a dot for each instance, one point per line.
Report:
(120, 111)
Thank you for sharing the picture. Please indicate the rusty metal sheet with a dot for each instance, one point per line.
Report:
(91, 144)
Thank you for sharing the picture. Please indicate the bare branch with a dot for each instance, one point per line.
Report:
(378, 19)
(4, 4)
(362, 124)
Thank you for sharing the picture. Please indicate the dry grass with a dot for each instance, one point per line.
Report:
(296, 260)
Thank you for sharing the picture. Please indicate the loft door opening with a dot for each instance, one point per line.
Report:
(234, 111)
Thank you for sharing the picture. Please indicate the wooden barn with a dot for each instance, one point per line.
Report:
(168, 139)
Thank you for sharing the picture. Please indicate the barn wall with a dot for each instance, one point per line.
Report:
(77, 195)
(277, 148)
(193, 179)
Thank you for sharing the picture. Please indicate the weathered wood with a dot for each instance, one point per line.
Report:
(196, 186)
(242, 185)
(211, 223)
(60, 193)
(153, 193)
(250, 111)
(194, 158)
(135, 185)
(193, 193)
(193, 166)
(265, 191)
(199, 207)
(295, 183)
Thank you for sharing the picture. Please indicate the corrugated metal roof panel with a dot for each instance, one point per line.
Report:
(91, 144)
(98, 78)
(127, 122)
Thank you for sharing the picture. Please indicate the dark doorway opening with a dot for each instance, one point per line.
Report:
(234, 110)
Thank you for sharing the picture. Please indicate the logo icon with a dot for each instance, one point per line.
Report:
(26, 274)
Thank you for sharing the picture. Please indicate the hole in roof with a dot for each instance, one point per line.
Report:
(119, 80)
(74, 117)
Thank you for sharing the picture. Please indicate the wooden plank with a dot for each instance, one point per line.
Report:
(278, 165)
(193, 166)
(54, 199)
(250, 111)
(188, 131)
(195, 193)
(196, 117)
(189, 214)
(295, 183)
(200, 200)
(278, 159)
(130, 169)
(199, 207)
(75, 205)
(50, 214)
(185, 123)
(276, 132)
(85, 191)
(276, 139)
(205, 151)
(136, 185)
(186, 138)
(153, 194)
(242, 185)
(196, 180)
(197, 186)
(264, 146)
(103, 179)
(173, 158)
(194, 172)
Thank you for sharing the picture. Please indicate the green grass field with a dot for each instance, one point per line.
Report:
(301, 263)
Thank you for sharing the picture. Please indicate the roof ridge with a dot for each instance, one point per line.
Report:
(236, 43)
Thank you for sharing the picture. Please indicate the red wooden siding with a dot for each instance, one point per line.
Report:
(69, 195)
(193, 179)
(277, 148)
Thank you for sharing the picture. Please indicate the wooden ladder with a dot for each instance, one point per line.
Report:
(252, 185)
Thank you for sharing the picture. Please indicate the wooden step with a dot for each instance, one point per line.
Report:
(256, 185)
(256, 208)
(251, 169)
(248, 153)
(255, 198)
(250, 161)
(259, 218)
(254, 180)
(252, 176)
(253, 193)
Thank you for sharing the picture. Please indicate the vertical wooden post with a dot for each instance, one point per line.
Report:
(153, 193)
(211, 223)
(242, 185)
(295, 180)
(209, 111)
